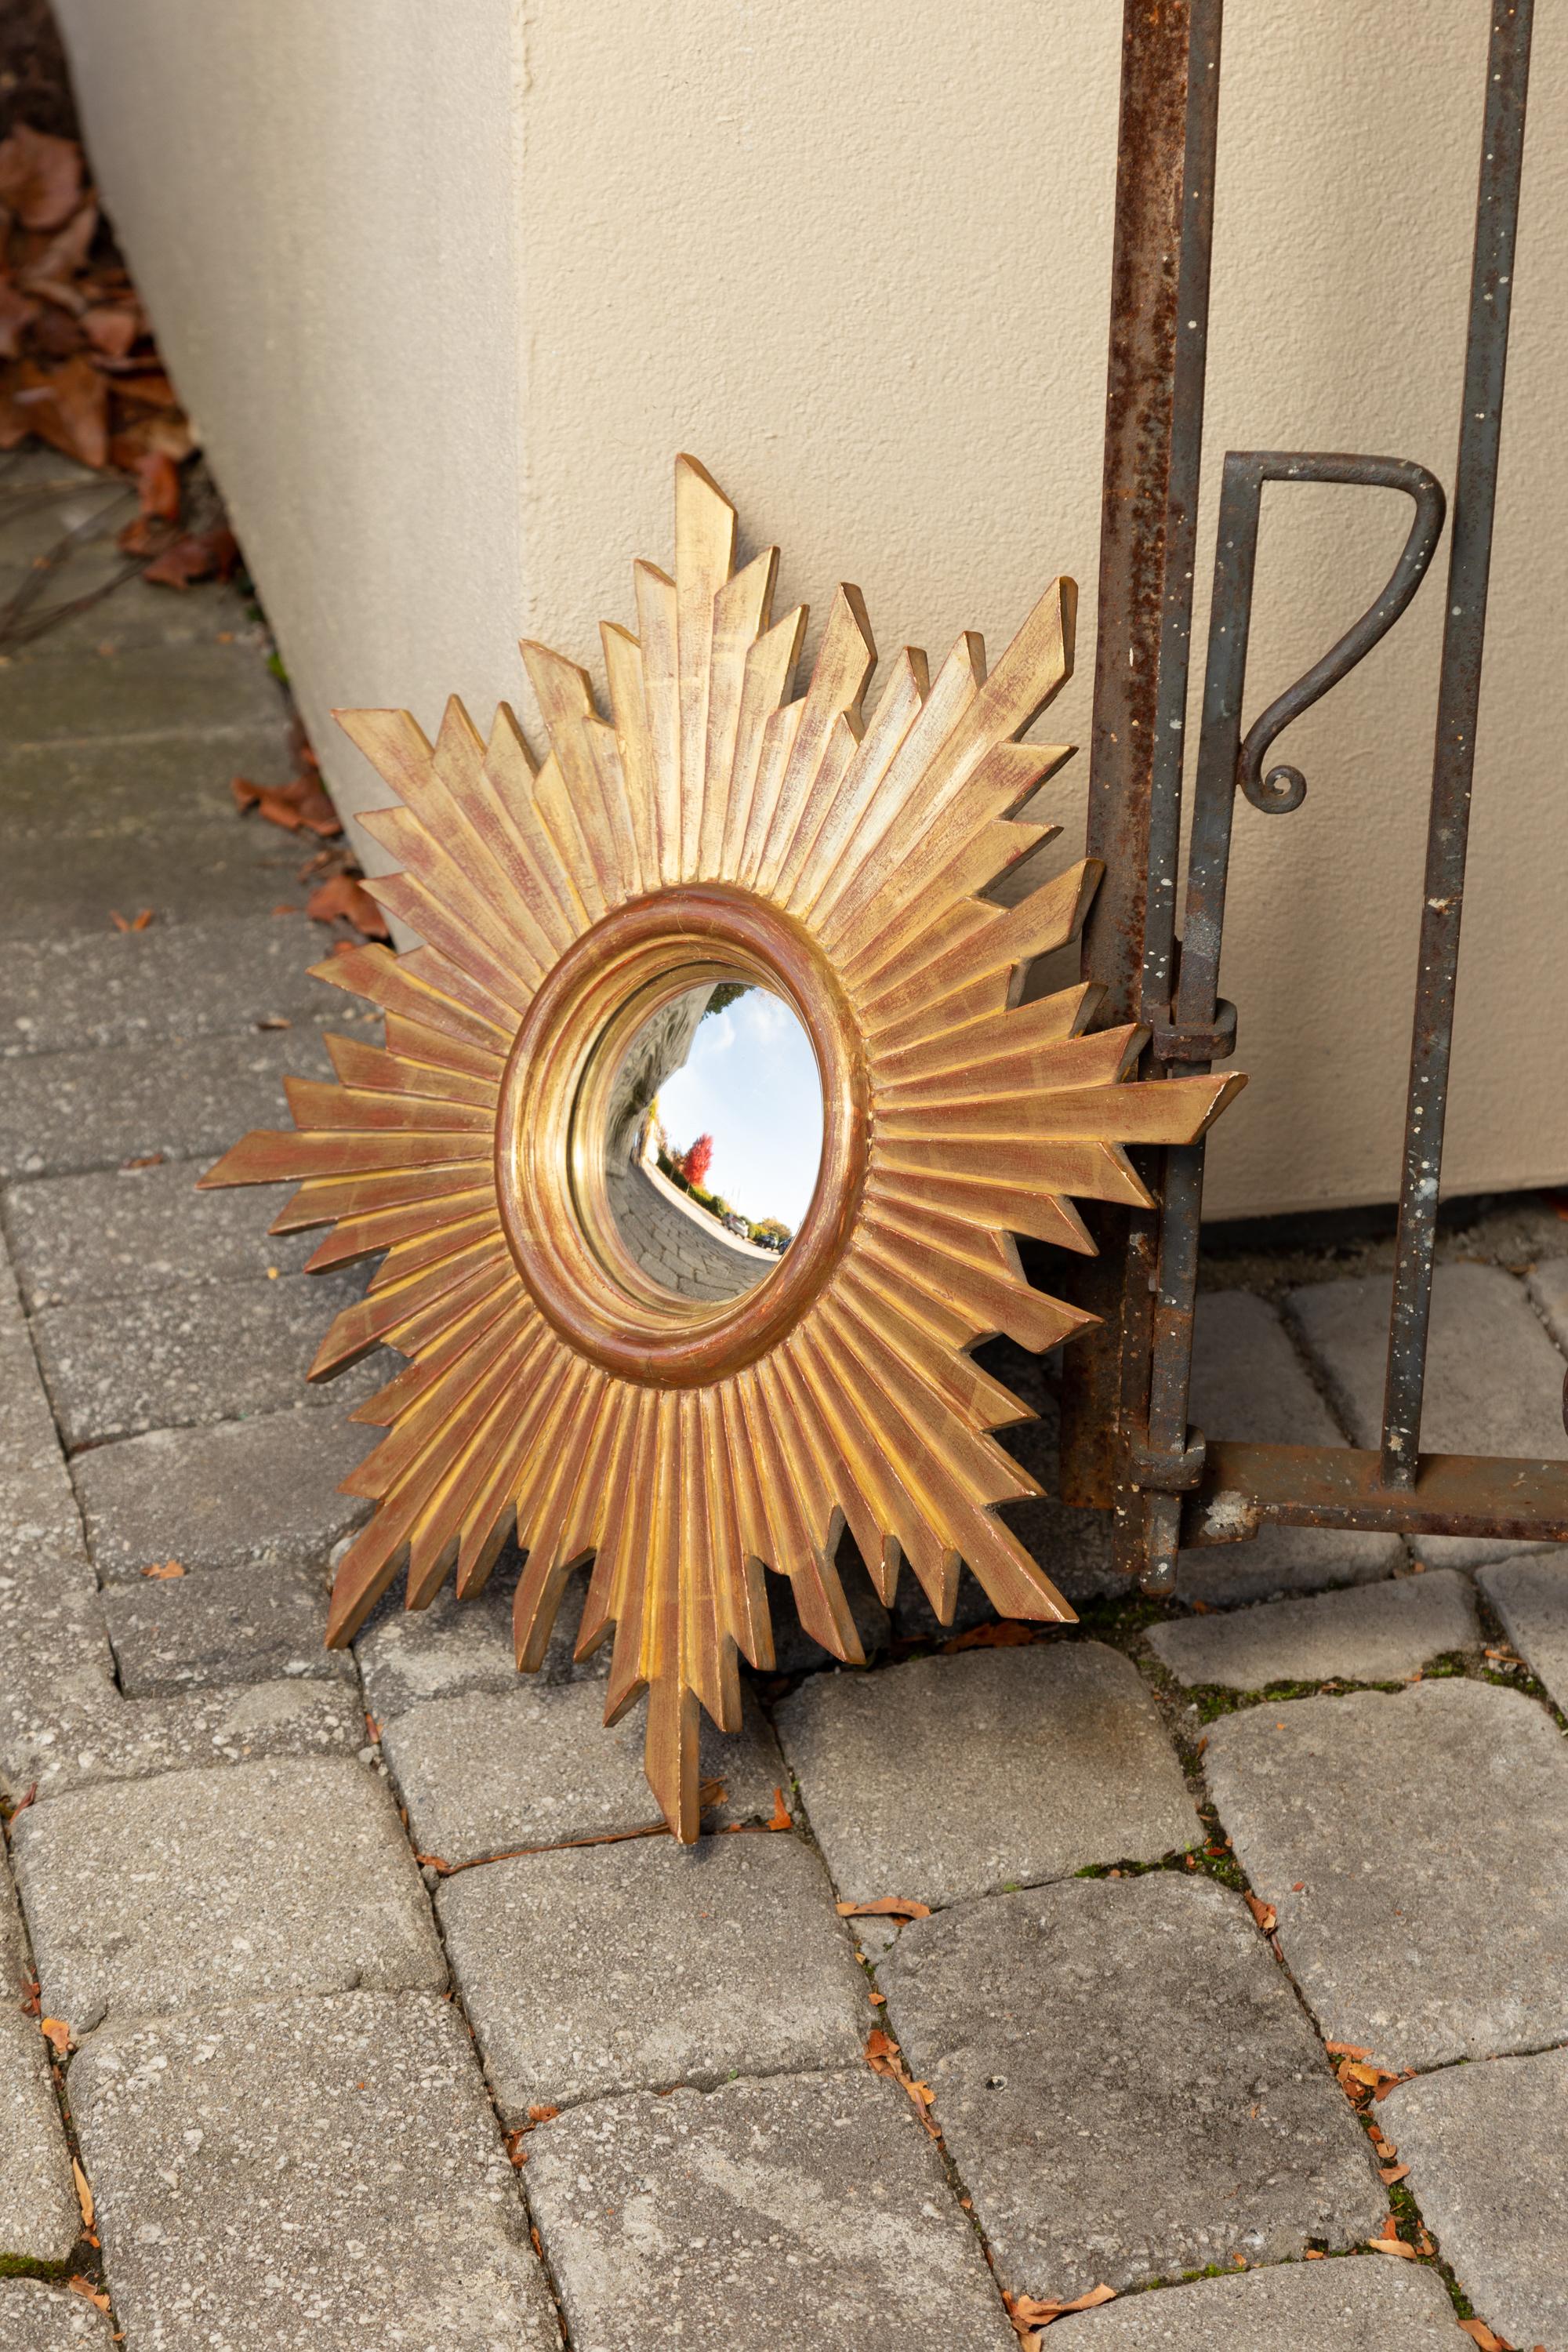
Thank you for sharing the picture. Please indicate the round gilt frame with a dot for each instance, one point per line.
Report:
(713, 825)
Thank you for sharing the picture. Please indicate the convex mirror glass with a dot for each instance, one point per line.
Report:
(712, 1140)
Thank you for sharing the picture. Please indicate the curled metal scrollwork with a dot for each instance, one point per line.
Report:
(1284, 788)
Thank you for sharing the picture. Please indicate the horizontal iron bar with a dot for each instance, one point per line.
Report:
(1342, 1486)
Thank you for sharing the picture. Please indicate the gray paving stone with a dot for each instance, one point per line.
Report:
(38, 2318)
(110, 790)
(39, 2218)
(1369, 1633)
(218, 1626)
(455, 1647)
(1250, 1384)
(257, 1494)
(69, 1745)
(808, 2211)
(1127, 2085)
(29, 1443)
(198, 1353)
(491, 1771)
(638, 1965)
(124, 1231)
(1488, 2151)
(140, 988)
(160, 690)
(1548, 1286)
(54, 1661)
(323, 2176)
(1411, 1845)
(61, 1114)
(1531, 1596)
(1494, 1380)
(53, 1650)
(1348, 2306)
(953, 1777)
(145, 823)
(185, 872)
(39, 1513)
(133, 616)
(197, 1887)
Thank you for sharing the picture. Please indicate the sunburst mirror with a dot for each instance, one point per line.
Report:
(605, 1353)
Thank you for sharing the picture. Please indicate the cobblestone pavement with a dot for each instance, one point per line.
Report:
(1208, 1903)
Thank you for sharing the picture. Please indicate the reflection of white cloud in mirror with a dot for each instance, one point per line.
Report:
(762, 1107)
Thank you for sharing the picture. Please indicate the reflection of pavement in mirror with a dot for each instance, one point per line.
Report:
(676, 1242)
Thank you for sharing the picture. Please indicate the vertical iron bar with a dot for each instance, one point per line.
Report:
(1459, 698)
(1165, 204)
(1164, 211)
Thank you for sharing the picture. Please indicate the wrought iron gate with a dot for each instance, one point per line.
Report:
(1126, 1444)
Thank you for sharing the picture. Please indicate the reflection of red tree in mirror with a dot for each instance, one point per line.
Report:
(697, 1160)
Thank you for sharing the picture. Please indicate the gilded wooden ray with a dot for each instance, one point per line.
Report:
(837, 856)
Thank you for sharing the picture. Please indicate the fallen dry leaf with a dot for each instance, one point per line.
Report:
(1389, 2173)
(83, 2194)
(200, 555)
(17, 315)
(1392, 2244)
(162, 1569)
(1346, 2050)
(543, 2115)
(778, 1818)
(84, 2286)
(301, 805)
(1006, 1633)
(131, 922)
(1479, 2332)
(67, 406)
(147, 1159)
(52, 270)
(1030, 2316)
(885, 1907)
(40, 177)
(113, 328)
(56, 2033)
(346, 900)
(1263, 1913)
(158, 487)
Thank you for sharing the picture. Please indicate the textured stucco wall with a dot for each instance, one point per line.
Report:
(446, 289)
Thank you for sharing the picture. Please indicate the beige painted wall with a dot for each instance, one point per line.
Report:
(448, 287)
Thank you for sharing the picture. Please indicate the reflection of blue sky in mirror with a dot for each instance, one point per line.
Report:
(750, 1082)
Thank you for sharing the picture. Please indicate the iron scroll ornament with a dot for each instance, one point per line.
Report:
(1241, 494)
(713, 825)
(1226, 761)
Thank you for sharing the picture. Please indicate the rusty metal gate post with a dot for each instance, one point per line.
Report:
(1154, 442)
(1126, 1443)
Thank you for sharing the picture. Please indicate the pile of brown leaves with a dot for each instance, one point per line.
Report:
(77, 367)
